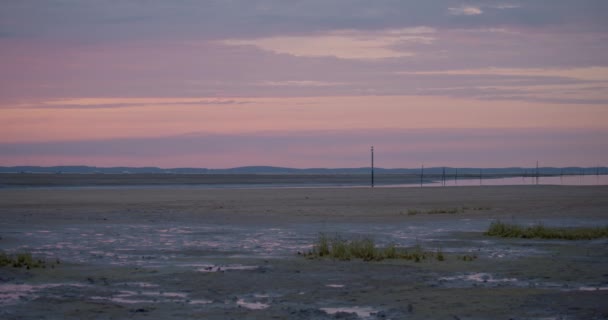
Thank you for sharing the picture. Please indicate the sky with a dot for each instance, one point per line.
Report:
(303, 83)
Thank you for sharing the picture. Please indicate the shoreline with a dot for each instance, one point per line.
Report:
(255, 181)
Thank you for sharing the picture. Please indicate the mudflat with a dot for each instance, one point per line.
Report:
(204, 253)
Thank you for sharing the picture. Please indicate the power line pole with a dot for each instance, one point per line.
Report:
(372, 149)
(421, 175)
(537, 173)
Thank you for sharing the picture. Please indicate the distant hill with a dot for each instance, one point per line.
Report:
(282, 170)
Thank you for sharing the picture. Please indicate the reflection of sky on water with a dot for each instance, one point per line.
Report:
(430, 181)
(184, 244)
(15, 293)
(566, 180)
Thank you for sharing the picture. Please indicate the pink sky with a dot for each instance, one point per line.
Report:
(458, 85)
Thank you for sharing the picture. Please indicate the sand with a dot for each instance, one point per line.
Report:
(189, 253)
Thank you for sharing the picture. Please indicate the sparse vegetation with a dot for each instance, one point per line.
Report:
(440, 256)
(366, 250)
(467, 257)
(24, 260)
(454, 210)
(446, 211)
(413, 212)
(507, 230)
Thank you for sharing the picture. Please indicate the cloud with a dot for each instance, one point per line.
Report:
(343, 44)
(506, 6)
(96, 21)
(107, 103)
(376, 32)
(584, 85)
(468, 10)
(583, 73)
(465, 11)
(302, 83)
(331, 148)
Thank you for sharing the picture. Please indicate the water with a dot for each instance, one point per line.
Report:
(569, 180)
(205, 247)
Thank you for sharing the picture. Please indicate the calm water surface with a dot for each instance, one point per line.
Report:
(569, 180)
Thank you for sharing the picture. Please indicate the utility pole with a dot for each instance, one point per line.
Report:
(421, 175)
(372, 166)
(443, 176)
(537, 177)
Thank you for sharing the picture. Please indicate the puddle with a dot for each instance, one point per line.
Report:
(478, 277)
(221, 268)
(200, 301)
(334, 285)
(486, 279)
(122, 300)
(165, 294)
(591, 289)
(13, 293)
(132, 297)
(361, 312)
(252, 305)
(140, 284)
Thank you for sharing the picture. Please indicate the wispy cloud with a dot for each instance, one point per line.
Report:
(465, 11)
(301, 83)
(506, 6)
(470, 10)
(586, 85)
(106, 103)
(586, 73)
(328, 148)
(343, 44)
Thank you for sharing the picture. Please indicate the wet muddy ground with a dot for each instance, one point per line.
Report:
(233, 254)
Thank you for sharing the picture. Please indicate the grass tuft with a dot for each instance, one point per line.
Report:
(507, 230)
(445, 211)
(467, 257)
(366, 250)
(454, 210)
(23, 260)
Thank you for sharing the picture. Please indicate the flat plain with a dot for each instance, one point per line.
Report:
(207, 253)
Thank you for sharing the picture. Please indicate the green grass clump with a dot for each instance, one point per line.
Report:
(440, 256)
(23, 260)
(507, 230)
(366, 250)
(446, 211)
(413, 212)
(454, 210)
(467, 257)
